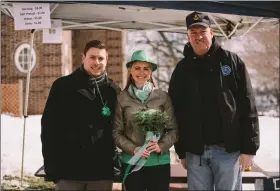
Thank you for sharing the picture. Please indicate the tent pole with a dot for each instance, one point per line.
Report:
(213, 19)
(5, 11)
(86, 24)
(11, 12)
(92, 25)
(54, 7)
(235, 28)
(26, 101)
(253, 26)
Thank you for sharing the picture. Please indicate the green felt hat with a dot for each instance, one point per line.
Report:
(140, 55)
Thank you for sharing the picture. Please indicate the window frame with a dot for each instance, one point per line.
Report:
(21, 53)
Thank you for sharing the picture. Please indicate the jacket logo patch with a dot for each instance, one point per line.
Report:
(226, 70)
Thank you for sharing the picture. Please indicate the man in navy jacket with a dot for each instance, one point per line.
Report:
(215, 108)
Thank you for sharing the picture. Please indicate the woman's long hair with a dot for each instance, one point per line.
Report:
(131, 81)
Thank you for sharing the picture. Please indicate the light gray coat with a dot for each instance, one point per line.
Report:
(127, 134)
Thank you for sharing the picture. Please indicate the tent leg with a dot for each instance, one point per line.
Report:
(26, 101)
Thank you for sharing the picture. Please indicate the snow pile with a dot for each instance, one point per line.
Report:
(11, 144)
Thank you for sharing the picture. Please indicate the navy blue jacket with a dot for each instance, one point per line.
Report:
(213, 99)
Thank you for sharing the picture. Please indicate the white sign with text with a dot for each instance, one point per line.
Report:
(31, 16)
(54, 34)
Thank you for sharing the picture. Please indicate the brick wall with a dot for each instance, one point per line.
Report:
(47, 69)
(49, 59)
(11, 99)
(113, 41)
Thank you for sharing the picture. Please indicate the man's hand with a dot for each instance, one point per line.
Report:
(246, 161)
(153, 147)
(184, 163)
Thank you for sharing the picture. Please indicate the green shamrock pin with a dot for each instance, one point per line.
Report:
(105, 111)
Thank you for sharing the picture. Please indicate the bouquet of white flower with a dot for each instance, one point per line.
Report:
(151, 121)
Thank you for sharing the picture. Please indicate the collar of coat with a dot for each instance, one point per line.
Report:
(82, 86)
(154, 95)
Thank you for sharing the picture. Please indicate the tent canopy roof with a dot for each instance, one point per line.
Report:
(228, 18)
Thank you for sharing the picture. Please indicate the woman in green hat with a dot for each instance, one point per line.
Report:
(146, 162)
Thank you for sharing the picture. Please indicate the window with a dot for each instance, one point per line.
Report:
(21, 57)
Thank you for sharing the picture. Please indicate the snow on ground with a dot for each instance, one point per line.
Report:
(268, 155)
(11, 145)
(12, 131)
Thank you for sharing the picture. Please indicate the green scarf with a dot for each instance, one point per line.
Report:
(143, 93)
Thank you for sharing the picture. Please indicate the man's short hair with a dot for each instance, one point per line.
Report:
(94, 44)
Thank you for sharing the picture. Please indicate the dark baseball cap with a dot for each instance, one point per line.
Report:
(197, 18)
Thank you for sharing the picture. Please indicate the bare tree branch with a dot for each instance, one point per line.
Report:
(161, 80)
(178, 51)
(169, 46)
(158, 49)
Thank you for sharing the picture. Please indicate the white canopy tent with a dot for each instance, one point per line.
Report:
(89, 15)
